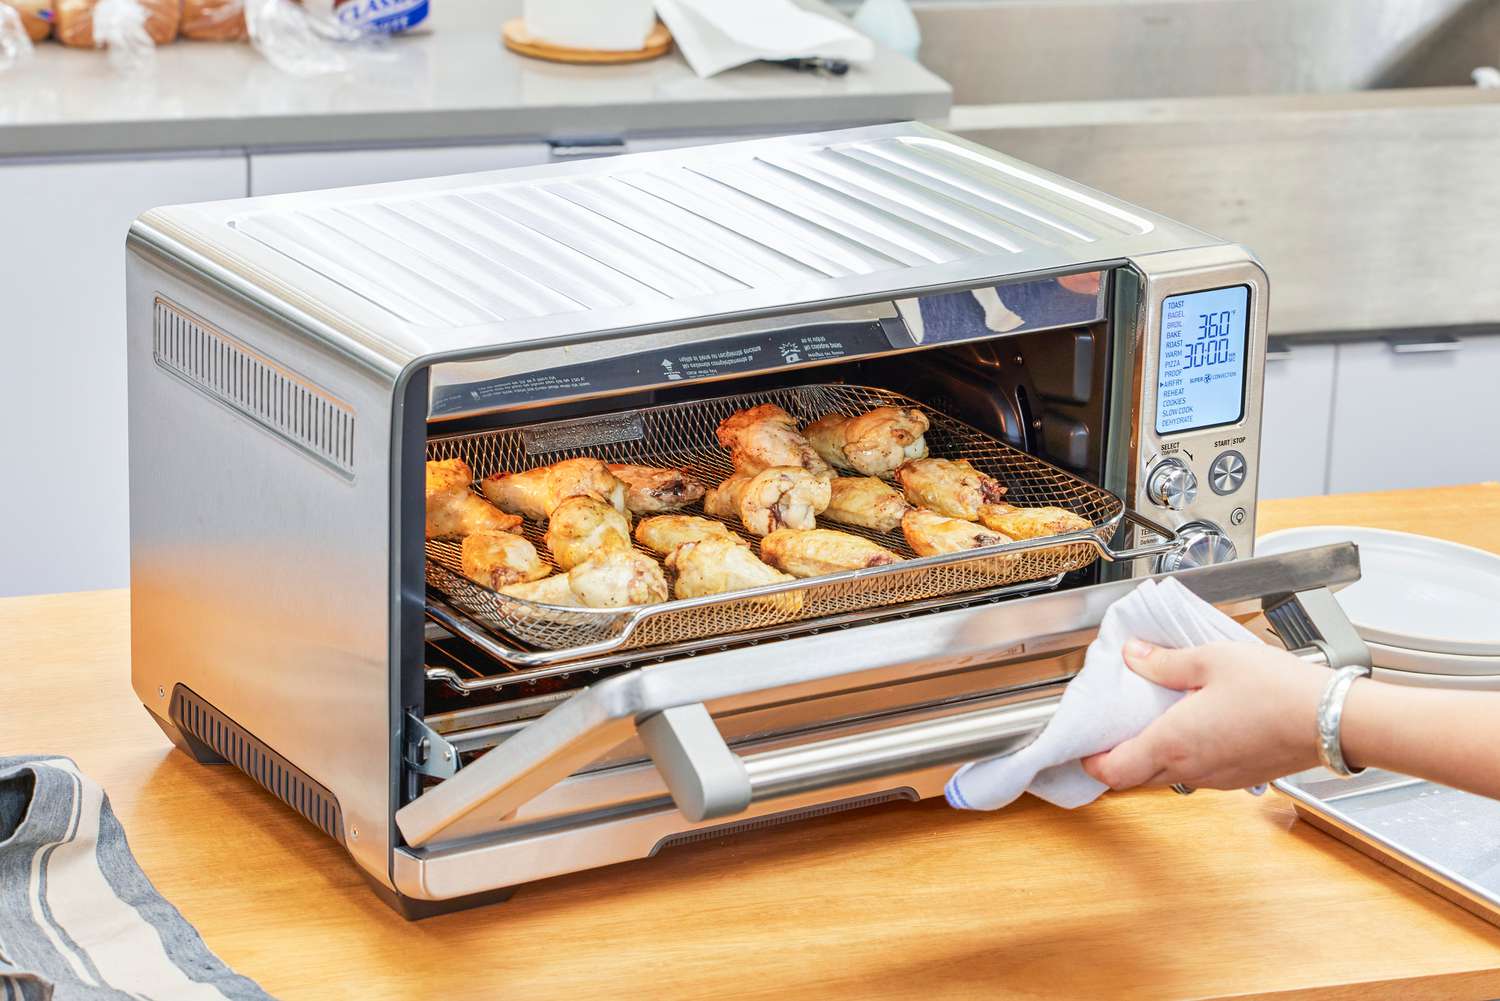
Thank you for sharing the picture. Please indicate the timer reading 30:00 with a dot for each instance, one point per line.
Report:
(1212, 344)
(1200, 373)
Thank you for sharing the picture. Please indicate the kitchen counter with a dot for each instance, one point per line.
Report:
(1144, 894)
(453, 84)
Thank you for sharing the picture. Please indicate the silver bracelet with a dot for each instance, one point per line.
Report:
(1331, 720)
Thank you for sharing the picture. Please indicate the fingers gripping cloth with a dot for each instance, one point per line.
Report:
(1104, 706)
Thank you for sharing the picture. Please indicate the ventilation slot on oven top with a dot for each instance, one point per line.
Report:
(786, 817)
(253, 386)
(205, 725)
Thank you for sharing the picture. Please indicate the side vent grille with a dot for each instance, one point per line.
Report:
(254, 386)
(787, 817)
(276, 775)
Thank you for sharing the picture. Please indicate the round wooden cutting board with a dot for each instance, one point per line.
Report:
(658, 43)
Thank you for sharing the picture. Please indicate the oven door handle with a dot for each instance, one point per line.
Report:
(708, 781)
(706, 777)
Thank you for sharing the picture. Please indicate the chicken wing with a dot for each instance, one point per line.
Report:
(715, 566)
(1030, 522)
(497, 559)
(867, 502)
(949, 487)
(617, 578)
(931, 534)
(666, 532)
(819, 551)
(536, 492)
(651, 490)
(554, 590)
(767, 436)
(779, 497)
(872, 443)
(453, 510)
(581, 528)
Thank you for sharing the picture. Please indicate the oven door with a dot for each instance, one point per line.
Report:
(531, 807)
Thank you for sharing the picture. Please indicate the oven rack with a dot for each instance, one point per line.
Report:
(451, 621)
(682, 435)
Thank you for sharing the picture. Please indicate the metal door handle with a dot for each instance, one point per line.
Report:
(1276, 349)
(1424, 345)
(708, 780)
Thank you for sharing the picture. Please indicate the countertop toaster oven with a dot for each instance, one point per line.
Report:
(296, 360)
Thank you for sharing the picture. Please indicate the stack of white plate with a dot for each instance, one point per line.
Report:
(1428, 609)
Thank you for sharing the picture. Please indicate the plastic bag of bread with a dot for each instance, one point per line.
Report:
(15, 43)
(303, 39)
(214, 20)
(129, 30)
(36, 16)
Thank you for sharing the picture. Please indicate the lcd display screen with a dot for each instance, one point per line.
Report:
(1200, 378)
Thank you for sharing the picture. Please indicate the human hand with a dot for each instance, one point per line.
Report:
(1250, 716)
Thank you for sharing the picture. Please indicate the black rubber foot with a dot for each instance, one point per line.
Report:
(188, 744)
(416, 910)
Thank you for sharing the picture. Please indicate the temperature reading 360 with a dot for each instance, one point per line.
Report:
(1212, 345)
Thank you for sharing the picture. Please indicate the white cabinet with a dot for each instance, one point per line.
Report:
(1295, 427)
(277, 173)
(64, 520)
(1416, 413)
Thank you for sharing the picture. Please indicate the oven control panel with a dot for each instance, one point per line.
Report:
(1201, 364)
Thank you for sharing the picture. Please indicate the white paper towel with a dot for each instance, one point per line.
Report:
(716, 35)
(1104, 706)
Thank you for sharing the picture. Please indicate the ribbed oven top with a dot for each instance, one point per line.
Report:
(681, 233)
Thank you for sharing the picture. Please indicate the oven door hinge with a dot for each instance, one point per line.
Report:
(427, 753)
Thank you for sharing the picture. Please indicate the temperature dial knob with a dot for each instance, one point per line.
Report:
(1172, 484)
(1203, 544)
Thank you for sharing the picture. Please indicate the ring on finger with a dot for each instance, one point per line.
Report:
(1182, 790)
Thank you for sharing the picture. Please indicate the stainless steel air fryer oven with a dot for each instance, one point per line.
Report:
(294, 360)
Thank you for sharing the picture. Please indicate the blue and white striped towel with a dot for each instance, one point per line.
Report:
(79, 920)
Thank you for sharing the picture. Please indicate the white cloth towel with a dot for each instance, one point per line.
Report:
(716, 35)
(1104, 706)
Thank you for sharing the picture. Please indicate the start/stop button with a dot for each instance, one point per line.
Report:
(1227, 473)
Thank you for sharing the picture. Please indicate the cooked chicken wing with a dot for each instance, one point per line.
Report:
(931, 534)
(714, 566)
(583, 527)
(497, 559)
(617, 578)
(666, 532)
(650, 490)
(453, 510)
(554, 590)
(779, 497)
(1030, 522)
(949, 487)
(867, 502)
(819, 551)
(767, 436)
(534, 493)
(873, 443)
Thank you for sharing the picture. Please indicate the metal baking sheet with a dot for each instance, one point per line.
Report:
(1445, 839)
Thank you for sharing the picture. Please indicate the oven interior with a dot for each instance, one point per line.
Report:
(1043, 392)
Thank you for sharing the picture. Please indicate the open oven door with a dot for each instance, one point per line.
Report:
(666, 707)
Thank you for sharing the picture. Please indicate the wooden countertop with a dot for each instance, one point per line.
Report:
(1141, 895)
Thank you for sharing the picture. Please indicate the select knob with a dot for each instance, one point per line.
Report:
(1204, 544)
(1172, 484)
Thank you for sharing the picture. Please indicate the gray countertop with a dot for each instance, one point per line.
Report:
(455, 83)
